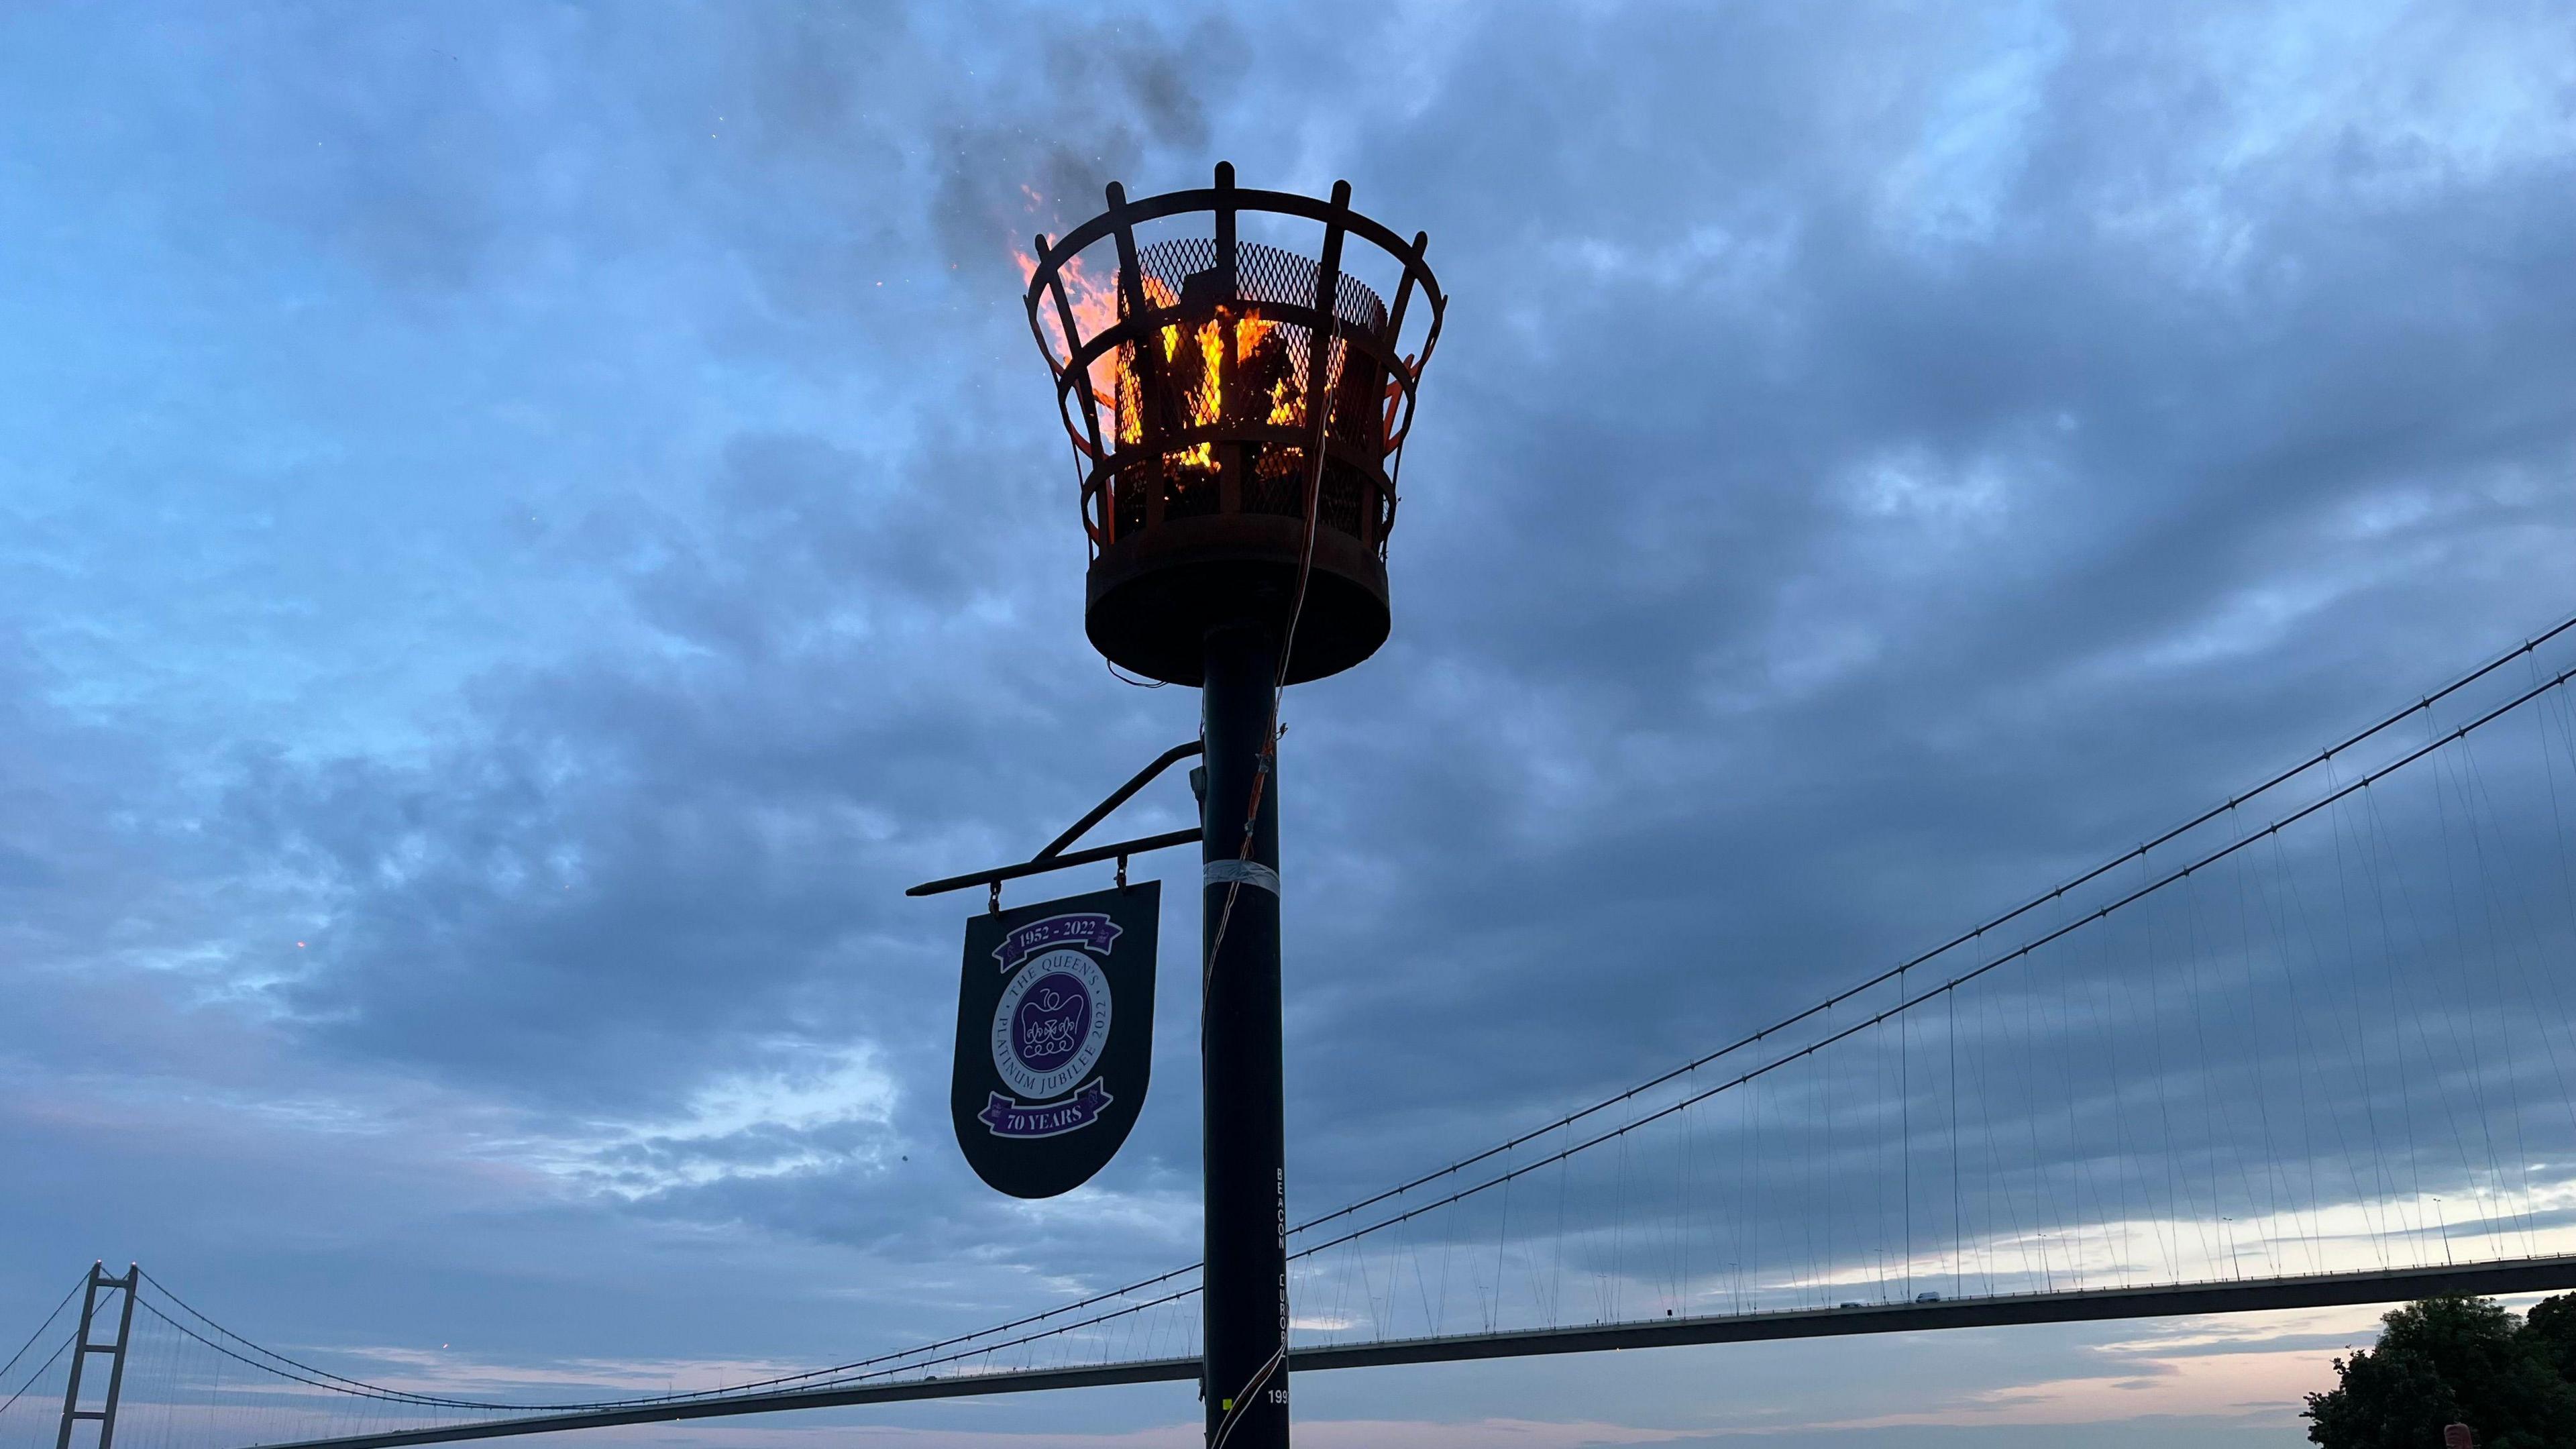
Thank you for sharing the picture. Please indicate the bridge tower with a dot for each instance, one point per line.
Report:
(105, 1414)
(1239, 412)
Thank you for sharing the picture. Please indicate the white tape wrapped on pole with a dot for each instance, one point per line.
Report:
(1243, 872)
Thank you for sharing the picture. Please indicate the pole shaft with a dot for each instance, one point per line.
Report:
(1246, 1135)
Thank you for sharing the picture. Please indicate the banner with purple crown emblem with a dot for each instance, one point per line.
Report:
(1055, 1034)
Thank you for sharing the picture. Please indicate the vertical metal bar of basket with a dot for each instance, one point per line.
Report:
(1235, 458)
(1081, 382)
(1321, 383)
(1413, 263)
(1145, 366)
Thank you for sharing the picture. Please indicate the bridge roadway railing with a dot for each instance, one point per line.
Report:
(2315, 1290)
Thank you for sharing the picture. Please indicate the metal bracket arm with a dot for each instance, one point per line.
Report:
(1053, 857)
(1120, 796)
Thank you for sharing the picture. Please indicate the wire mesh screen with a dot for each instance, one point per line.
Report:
(1222, 366)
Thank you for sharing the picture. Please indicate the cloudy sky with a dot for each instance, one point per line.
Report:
(523, 527)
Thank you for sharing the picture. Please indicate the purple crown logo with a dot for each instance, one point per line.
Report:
(1054, 1018)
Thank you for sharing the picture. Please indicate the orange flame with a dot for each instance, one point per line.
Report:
(1094, 305)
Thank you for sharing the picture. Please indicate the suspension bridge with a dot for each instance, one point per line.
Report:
(2310, 1047)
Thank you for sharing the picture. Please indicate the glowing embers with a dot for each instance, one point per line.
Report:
(1200, 415)
(1182, 377)
(1185, 387)
(1266, 379)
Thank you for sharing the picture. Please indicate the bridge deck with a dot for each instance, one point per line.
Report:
(2322, 1290)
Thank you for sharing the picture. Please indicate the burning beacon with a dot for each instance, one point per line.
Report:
(1200, 374)
(1238, 409)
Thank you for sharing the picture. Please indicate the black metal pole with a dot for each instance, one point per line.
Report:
(1246, 1134)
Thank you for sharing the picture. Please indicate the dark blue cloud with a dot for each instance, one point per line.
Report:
(555, 512)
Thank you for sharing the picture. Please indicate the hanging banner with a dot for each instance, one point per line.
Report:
(1055, 1036)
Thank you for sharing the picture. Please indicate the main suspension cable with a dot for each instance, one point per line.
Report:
(39, 1373)
(2006, 918)
(359, 1386)
(41, 1327)
(1909, 1003)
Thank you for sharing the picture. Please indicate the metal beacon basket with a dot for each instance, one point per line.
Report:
(1201, 384)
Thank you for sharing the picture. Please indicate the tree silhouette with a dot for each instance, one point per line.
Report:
(2456, 1360)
